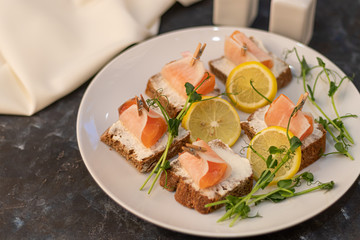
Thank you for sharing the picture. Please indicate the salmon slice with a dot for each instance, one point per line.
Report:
(279, 112)
(154, 129)
(147, 127)
(178, 72)
(234, 50)
(206, 170)
(207, 84)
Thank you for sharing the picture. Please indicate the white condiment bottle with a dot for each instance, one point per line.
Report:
(239, 13)
(293, 19)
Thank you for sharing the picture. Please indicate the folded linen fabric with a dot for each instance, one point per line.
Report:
(49, 48)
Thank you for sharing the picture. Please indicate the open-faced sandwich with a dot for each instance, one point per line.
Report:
(311, 134)
(169, 84)
(238, 48)
(205, 173)
(140, 135)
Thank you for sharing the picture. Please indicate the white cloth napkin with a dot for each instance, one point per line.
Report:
(48, 48)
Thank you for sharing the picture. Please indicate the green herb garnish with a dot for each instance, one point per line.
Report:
(173, 129)
(240, 207)
(335, 127)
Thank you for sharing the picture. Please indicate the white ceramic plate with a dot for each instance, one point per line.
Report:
(127, 75)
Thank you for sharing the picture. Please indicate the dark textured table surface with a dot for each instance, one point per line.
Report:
(46, 191)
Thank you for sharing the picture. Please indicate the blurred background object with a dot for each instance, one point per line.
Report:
(238, 13)
(293, 19)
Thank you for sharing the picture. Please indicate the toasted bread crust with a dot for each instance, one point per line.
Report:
(248, 130)
(147, 164)
(189, 197)
(314, 151)
(309, 154)
(152, 92)
(217, 72)
(283, 79)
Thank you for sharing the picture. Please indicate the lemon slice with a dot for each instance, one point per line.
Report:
(240, 91)
(213, 119)
(273, 136)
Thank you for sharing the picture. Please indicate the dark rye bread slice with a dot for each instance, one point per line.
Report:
(283, 77)
(146, 164)
(188, 196)
(309, 153)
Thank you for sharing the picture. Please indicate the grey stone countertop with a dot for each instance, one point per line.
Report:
(46, 192)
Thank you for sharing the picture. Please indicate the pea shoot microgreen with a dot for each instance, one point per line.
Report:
(335, 127)
(240, 207)
(173, 128)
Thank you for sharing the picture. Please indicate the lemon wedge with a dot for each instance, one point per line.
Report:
(240, 91)
(212, 119)
(273, 136)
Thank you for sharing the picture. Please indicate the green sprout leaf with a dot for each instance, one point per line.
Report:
(276, 197)
(174, 124)
(275, 150)
(340, 147)
(322, 121)
(320, 62)
(311, 93)
(284, 183)
(270, 162)
(304, 66)
(307, 176)
(195, 97)
(332, 89)
(327, 186)
(191, 93)
(294, 143)
(338, 123)
(242, 209)
(266, 177)
(189, 88)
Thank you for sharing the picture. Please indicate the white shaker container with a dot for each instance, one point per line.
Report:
(239, 13)
(293, 19)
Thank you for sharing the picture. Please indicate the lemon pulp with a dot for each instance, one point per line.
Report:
(273, 136)
(213, 119)
(242, 93)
